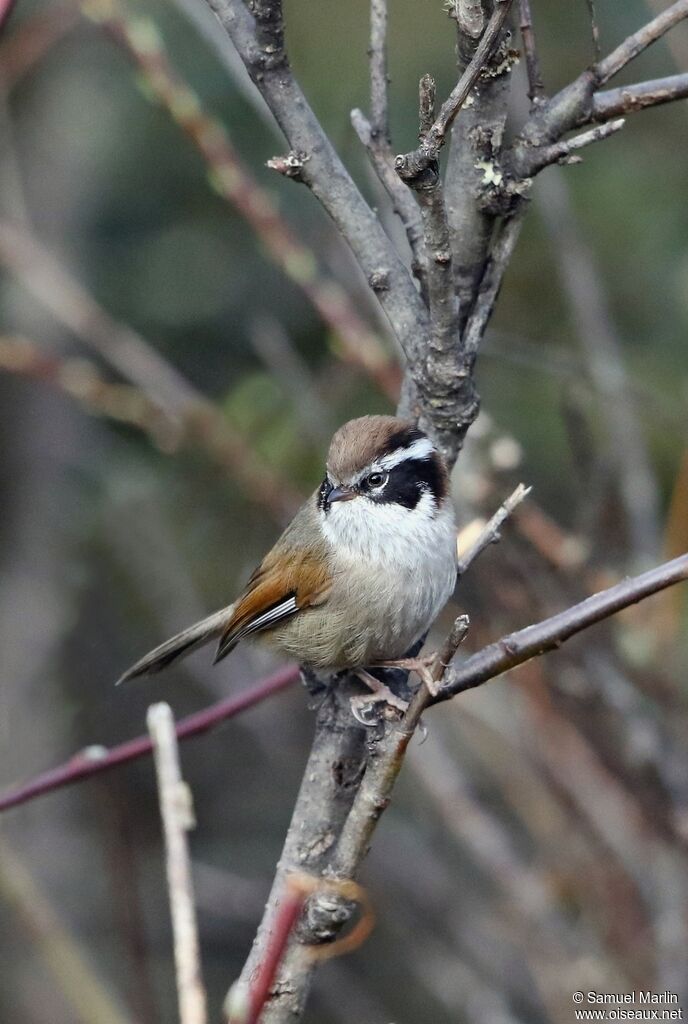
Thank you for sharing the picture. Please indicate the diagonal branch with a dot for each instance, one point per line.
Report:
(549, 635)
(96, 759)
(629, 49)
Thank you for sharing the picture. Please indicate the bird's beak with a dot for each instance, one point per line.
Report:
(340, 494)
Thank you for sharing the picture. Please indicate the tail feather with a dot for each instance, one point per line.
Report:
(179, 646)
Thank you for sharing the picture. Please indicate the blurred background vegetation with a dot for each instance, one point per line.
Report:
(537, 843)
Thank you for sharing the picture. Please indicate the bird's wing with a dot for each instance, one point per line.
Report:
(282, 586)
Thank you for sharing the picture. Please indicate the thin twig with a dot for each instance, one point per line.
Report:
(639, 41)
(490, 533)
(549, 635)
(628, 98)
(177, 815)
(561, 152)
(594, 28)
(535, 86)
(374, 133)
(498, 263)
(403, 204)
(96, 759)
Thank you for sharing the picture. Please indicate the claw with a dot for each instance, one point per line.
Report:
(423, 666)
(358, 706)
(381, 695)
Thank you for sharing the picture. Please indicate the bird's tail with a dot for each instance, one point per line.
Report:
(179, 646)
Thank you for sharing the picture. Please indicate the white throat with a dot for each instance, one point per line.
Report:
(388, 533)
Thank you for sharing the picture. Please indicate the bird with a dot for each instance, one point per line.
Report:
(360, 573)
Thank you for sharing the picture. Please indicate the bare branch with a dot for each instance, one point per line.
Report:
(574, 106)
(503, 245)
(403, 203)
(382, 769)
(258, 37)
(375, 136)
(412, 165)
(550, 634)
(628, 98)
(594, 28)
(490, 533)
(379, 107)
(427, 98)
(444, 314)
(535, 86)
(177, 818)
(96, 759)
(330, 782)
(244, 1006)
(640, 40)
(562, 152)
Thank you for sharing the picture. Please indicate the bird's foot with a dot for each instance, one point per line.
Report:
(423, 665)
(381, 694)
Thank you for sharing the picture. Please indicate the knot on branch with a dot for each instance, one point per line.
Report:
(379, 280)
(290, 165)
(325, 915)
(420, 171)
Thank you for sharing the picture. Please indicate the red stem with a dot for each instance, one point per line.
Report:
(292, 904)
(85, 763)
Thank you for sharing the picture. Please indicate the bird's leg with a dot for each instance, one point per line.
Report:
(381, 695)
(422, 665)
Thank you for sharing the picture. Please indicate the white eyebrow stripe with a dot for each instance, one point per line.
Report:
(420, 449)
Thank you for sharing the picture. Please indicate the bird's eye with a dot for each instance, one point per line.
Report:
(376, 480)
